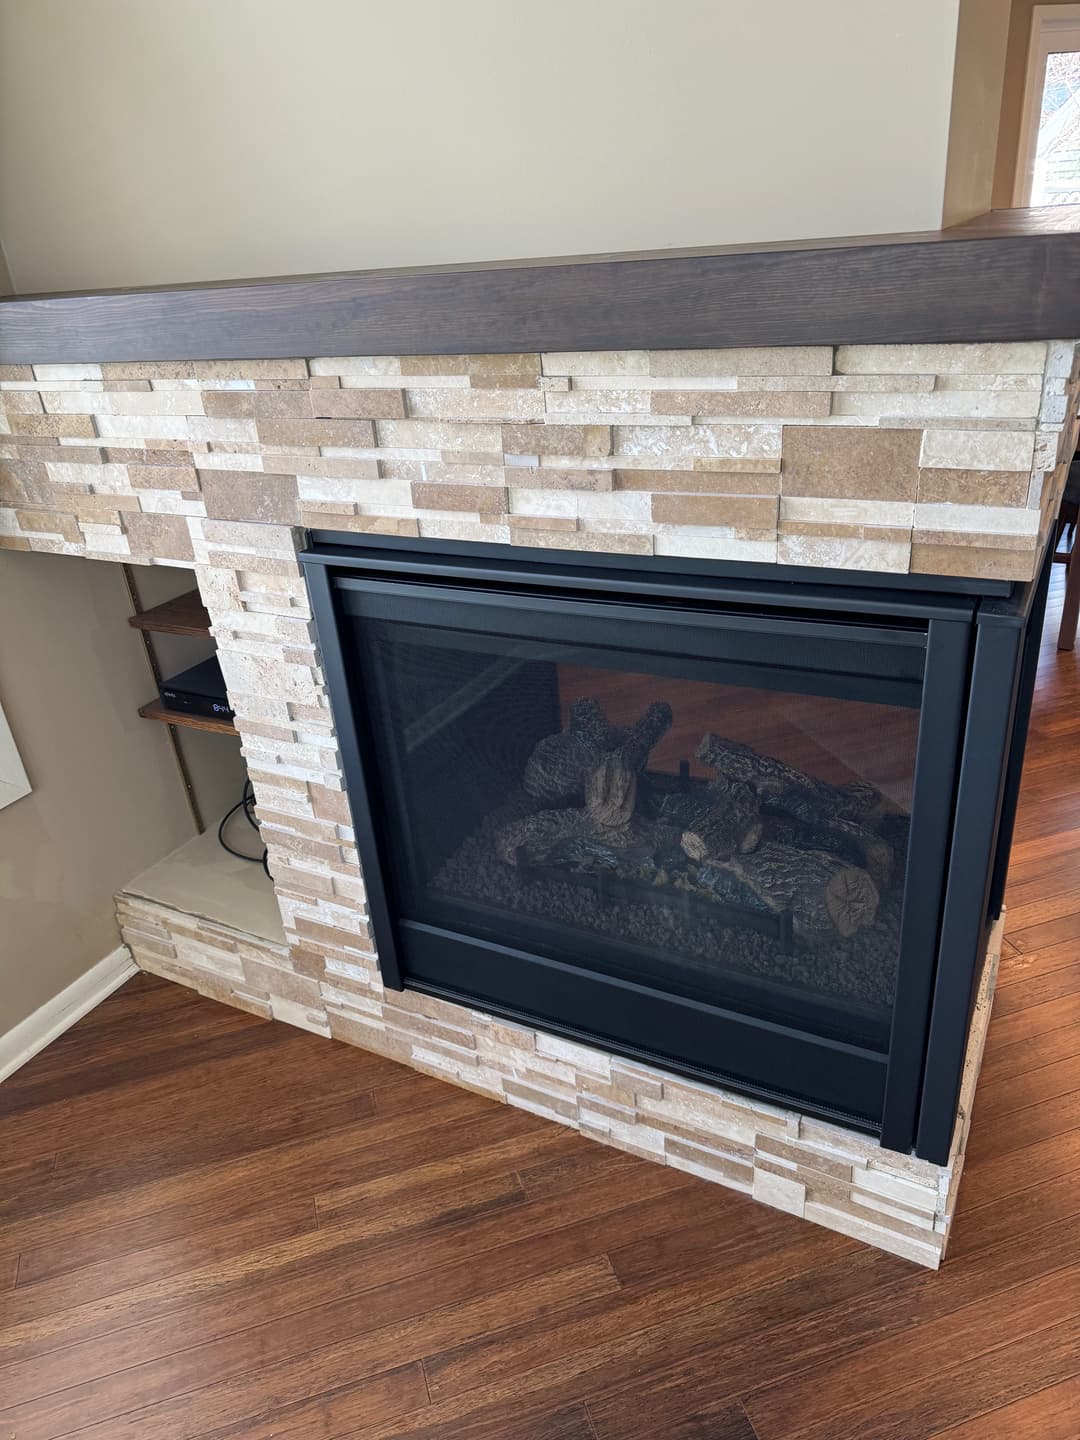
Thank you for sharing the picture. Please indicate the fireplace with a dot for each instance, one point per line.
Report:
(735, 821)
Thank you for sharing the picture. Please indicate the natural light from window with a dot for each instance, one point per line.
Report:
(1056, 176)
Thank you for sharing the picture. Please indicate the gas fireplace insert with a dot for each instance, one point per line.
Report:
(747, 823)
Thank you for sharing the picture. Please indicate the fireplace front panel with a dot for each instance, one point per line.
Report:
(695, 824)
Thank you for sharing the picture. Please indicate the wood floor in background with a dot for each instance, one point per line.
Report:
(211, 1226)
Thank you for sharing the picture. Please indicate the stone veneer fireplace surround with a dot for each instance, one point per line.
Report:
(927, 457)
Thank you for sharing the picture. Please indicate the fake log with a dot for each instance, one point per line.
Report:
(730, 822)
(572, 838)
(824, 894)
(857, 844)
(559, 766)
(795, 792)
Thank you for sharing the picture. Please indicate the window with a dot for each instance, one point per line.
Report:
(1048, 170)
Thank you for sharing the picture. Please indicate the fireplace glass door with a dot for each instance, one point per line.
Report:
(675, 828)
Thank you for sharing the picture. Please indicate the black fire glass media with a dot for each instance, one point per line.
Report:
(715, 823)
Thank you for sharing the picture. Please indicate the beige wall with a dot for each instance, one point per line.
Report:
(107, 799)
(1012, 99)
(981, 45)
(142, 143)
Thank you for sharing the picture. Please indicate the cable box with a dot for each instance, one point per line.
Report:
(198, 691)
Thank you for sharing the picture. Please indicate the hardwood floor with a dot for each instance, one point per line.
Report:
(215, 1227)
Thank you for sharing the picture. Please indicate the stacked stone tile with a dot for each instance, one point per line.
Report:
(929, 459)
(941, 459)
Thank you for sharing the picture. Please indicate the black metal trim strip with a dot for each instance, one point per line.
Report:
(991, 705)
(780, 586)
(348, 721)
(729, 1046)
(940, 726)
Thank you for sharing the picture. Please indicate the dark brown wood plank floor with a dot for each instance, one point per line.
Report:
(212, 1228)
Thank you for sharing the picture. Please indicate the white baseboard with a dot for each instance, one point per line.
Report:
(61, 1012)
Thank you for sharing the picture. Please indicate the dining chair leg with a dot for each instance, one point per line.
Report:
(1070, 613)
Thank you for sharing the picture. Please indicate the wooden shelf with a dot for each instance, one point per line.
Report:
(155, 710)
(185, 615)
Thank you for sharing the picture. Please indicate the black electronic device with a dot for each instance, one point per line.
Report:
(198, 691)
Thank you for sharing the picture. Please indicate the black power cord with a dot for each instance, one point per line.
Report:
(246, 803)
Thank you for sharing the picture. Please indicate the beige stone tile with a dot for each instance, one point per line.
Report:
(362, 524)
(48, 522)
(583, 440)
(982, 359)
(980, 539)
(315, 467)
(62, 471)
(745, 404)
(803, 1157)
(483, 529)
(746, 512)
(973, 487)
(354, 433)
(778, 1191)
(257, 404)
(798, 510)
(439, 435)
(359, 491)
(567, 404)
(67, 372)
(617, 507)
(920, 1247)
(262, 498)
(696, 1160)
(147, 370)
(494, 403)
(15, 373)
(541, 522)
(533, 477)
(814, 529)
(694, 545)
(21, 402)
(356, 365)
(972, 381)
(603, 542)
(977, 450)
(991, 519)
(595, 362)
(124, 402)
(840, 384)
(972, 561)
(699, 482)
(519, 366)
(145, 427)
(182, 478)
(357, 404)
(669, 446)
(861, 463)
(159, 536)
(748, 360)
(438, 473)
(251, 369)
(175, 454)
(920, 1197)
(484, 499)
(887, 556)
(52, 426)
(956, 404)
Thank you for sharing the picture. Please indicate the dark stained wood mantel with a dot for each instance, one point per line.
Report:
(1009, 275)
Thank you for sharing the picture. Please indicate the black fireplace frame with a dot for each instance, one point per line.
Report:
(980, 657)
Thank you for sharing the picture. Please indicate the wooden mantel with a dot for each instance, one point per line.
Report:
(1008, 275)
